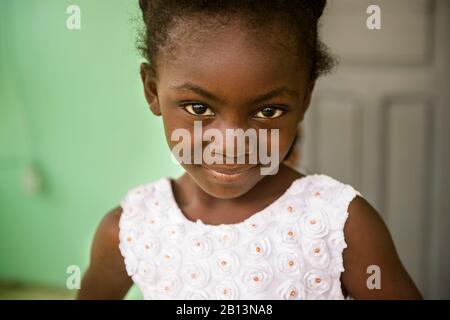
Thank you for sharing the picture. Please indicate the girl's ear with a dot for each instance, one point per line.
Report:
(150, 92)
(307, 98)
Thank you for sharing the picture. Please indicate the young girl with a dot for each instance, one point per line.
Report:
(225, 231)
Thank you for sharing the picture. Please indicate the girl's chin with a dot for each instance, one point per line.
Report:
(226, 184)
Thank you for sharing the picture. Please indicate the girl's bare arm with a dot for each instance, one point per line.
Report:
(106, 276)
(369, 243)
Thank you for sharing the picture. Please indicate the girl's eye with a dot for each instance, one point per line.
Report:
(269, 113)
(198, 109)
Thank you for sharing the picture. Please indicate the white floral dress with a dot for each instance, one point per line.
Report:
(292, 249)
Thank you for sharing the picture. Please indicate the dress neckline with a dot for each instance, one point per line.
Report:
(259, 214)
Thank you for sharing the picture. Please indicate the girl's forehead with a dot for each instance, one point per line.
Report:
(234, 43)
(233, 58)
(231, 77)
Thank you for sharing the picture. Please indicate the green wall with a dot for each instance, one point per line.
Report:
(72, 107)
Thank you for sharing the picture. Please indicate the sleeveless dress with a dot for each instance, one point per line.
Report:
(292, 249)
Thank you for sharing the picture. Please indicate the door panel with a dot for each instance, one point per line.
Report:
(374, 123)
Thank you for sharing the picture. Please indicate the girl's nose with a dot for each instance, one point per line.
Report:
(239, 139)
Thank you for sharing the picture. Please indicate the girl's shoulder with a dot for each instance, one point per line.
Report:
(145, 190)
(339, 198)
(322, 189)
(145, 197)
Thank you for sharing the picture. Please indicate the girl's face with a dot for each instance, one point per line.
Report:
(229, 80)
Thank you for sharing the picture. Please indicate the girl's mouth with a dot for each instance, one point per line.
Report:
(227, 173)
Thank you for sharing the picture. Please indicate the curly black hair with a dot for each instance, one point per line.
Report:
(301, 16)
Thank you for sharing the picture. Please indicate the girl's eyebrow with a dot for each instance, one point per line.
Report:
(282, 90)
(188, 86)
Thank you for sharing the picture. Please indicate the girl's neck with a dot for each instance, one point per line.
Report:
(197, 204)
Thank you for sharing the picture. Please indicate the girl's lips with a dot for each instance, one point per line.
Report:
(229, 172)
(229, 169)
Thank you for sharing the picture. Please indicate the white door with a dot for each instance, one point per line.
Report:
(378, 123)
